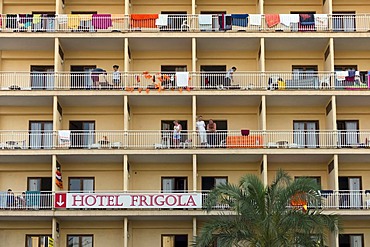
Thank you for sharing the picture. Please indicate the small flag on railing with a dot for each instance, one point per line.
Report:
(58, 178)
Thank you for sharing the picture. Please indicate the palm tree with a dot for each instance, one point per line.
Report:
(286, 213)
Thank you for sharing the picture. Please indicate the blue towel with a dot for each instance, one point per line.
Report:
(351, 73)
(240, 20)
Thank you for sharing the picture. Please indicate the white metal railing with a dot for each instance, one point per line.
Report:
(184, 23)
(145, 139)
(27, 200)
(100, 79)
(345, 199)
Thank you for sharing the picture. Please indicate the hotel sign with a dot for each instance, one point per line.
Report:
(128, 200)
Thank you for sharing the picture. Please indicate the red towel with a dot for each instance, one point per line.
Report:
(143, 20)
(272, 19)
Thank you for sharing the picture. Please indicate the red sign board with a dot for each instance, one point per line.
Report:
(60, 200)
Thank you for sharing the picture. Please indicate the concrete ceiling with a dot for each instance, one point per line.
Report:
(92, 44)
(26, 101)
(160, 44)
(228, 100)
(350, 44)
(90, 159)
(299, 158)
(296, 44)
(227, 158)
(27, 44)
(228, 44)
(20, 159)
(160, 100)
(312, 100)
(160, 158)
(358, 100)
(358, 158)
(91, 100)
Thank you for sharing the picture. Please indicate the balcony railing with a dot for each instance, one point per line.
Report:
(184, 23)
(144, 139)
(47, 200)
(182, 81)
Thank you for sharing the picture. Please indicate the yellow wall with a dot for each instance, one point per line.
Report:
(14, 176)
(106, 118)
(357, 227)
(25, 6)
(285, 6)
(281, 118)
(301, 169)
(22, 60)
(148, 176)
(362, 114)
(108, 177)
(152, 60)
(356, 170)
(13, 233)
(283, 60)
(149, 7)
(359, 58)
(106, 233)
(17, 118)
(233, 171)
(148, 233)
(231, 7)
(106, 7)
(360, 6)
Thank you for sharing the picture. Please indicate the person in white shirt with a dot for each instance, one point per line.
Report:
(201, 127)
(116, 76)
(229, 77)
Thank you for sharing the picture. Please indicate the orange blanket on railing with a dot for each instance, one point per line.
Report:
(244, 142)
(143, 20)
(272, 19)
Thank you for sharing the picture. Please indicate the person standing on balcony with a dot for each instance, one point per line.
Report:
(116, 76)
(201, 127)
(229, 77)
(176, 133)
(211, 129)
(10, 199)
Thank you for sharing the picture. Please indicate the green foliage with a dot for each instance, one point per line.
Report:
(263, 216)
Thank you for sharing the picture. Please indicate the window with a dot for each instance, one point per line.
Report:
(42, 77)
(316, 179)
(174, 184)
(81, 76)
(348, 133)
(176, 21)
(209, 183)
(37, 240)
(351, 240)
(167, 130)
(306, 133)
(80, 241)
(174, 240)
(83, 133)
(41, 134)
(212, 76)
(349, 188)
(168, 73)
(38, 192)
(344, 21)
(82, 184)
(304, 71)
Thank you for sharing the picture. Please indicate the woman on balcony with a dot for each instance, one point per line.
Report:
(201, 128)
(176, 133)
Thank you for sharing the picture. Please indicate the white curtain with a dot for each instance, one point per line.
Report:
(168, 184)
(351, 133)
(35, 135)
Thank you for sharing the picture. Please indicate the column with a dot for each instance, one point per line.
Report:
(195, 172)
(126, 63)
(125, 113)
(125, 173)
(193, 6)
(260, 6)
(262, 113)
(261, 55)
(54, 187)
(334, 110)
(194, 228)
(127, 7)
(194, 54)
(336, 172)
(264, 168)
(55, 232)
(125, 232)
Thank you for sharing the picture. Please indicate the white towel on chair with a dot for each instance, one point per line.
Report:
(162, 20)
(321, 20)
(64, 137)
(182, 79)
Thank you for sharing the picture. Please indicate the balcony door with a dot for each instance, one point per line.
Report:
(348, 135)
(306, 133)
(82, 133)
(38, 192)
(350, 192)
(41, 134)
(177, 21)
(351, 240)
(42, 77)
(174, 184)
(81, 76)
(344, 21)
(212, 76)
(169, 74)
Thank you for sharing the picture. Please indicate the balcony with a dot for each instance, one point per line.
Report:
(36, 200)
(149, 140)
(146, 81)
(184, 23)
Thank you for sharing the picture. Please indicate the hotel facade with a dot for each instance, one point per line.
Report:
(89, 156)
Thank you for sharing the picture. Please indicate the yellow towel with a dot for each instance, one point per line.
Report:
(36, 18)
(86, 17)
(73, 21)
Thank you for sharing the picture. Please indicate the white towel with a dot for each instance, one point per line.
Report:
(62, 18)
(285, 19)
(162, 20)
(294, 18)
(321, 20)
(64, 137)
(255, 19)
(205, 19)
(341, 75)
(182, 79)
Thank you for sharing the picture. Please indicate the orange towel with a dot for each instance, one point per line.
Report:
(143, 20)
(272, 19)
